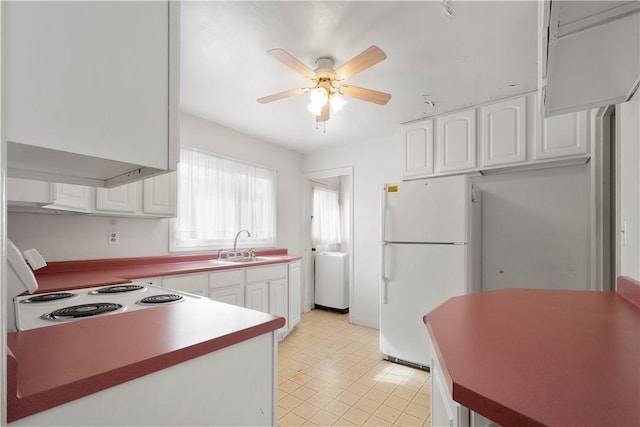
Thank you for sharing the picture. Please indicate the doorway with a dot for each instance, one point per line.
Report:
(341, 180)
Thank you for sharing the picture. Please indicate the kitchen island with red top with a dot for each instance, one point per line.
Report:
(198, 362)
(541, 357)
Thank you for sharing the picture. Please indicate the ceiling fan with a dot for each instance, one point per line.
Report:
(325, 94)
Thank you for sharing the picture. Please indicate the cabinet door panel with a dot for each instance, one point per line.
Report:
(417, 149)
(256, 296)
(565, 135)
(457, 141)
(504, 132)
(159, 195)
(71, 197)
(294, 294)
(228, 294)
(118, 199)
(191, 283)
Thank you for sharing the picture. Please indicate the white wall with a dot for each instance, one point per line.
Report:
(535, 229)
(374, 163)
(628, 175)
(72, 237)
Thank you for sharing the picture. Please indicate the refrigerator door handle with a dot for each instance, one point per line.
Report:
(385, 278)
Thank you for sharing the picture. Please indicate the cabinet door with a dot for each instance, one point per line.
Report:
(229, 294)
(85, 88)
(444, 410)
(457, 141)
(565, 135)
(227, 286)
(417, 149)
(504, 132)
(118, 199)
(256, 296)
(294, 294)
(278, 299)
(192, 283)
(70, 197)
(160, 195)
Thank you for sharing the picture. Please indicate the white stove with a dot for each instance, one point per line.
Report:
(42, 310)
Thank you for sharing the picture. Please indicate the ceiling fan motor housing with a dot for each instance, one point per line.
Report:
(325, 67)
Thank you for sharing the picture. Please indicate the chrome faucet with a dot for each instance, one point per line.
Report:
(235, 241)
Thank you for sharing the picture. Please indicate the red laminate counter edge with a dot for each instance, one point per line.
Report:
(542, 357)
(89, 273)
(119, 348)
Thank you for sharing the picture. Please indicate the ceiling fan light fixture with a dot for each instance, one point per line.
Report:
(319, 98)
(337, 102)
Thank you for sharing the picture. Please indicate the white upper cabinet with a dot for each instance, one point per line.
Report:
(562, 136)
(90, 90)
(457, 141)
(417, 149)
(504, 132)
(118, 199)
(160, 194)
(70, 197)
(593, 53)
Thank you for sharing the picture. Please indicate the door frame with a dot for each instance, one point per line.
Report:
(307, 254)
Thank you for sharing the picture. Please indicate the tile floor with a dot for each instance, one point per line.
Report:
(331, 373)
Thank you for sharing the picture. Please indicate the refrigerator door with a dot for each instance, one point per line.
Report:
(417, 278)
(433, 210)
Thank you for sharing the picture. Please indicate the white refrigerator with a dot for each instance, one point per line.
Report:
(430, 252)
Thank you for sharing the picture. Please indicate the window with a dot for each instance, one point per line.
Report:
(325, 229)
(217, 197)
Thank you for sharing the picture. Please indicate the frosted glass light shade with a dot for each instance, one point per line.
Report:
(337, 102)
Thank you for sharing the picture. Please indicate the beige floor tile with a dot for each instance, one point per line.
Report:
(406, 420)
(324, 418)
(306, 410)
(290, 419)
(321, 399)
(396, 402)
(356, 416)
(377, 395)
(374, 421)
(289, 402)
(336, 407)
(417, 410)
(331, 373)
(348, 397)
(367, 405)
(387, 413)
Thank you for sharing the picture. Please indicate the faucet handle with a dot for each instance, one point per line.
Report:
(252, 252)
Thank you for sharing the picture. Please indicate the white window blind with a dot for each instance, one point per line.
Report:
(325, 227)
(217, 197)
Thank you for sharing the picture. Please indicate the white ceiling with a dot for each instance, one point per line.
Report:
(474, 57)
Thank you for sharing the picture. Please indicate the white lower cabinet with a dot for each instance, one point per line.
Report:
(273, 289)
(444, 410)
(294, 294)
(196, 283)
(153, 281)
(256, 296)
(227, 286)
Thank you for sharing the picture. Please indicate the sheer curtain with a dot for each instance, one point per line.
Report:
(217, 197)
(325, 227)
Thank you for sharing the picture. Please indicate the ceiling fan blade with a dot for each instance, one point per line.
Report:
(324, 115)
(285, 94)
(368, 58)
(368, 95)
(292, 62)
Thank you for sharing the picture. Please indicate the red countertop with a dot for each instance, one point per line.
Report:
(542, 357)
(89, 273)
(118, 348)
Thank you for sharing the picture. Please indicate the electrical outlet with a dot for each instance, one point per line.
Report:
(114, 237)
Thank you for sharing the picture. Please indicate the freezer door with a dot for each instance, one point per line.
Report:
(417, 278)
(433, 210)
